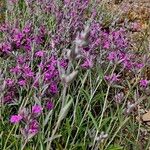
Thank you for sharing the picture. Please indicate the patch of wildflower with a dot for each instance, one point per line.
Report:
(41, 65)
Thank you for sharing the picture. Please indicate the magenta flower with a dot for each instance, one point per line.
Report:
(53, 88)
(139, 65)
(9, 97)
(37, 109)
(106, 45)
(27, 28)
(88, 63)
(22, 82)
(39, 54)
(49, 105)
(112, 56)
(127, 64)
(9, 82)
(28, 72)
(144, 83)
(16, 69)
(17, 37)
(5, 47)
(33, 127)
(21, 59)
(112, 78)
(63, 63)
(48, 76)
(15, 119)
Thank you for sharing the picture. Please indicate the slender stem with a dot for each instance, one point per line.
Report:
(77, 99)
(86, 111)
(117, 132)
(104, 108)
(62, 106)
(8, 137)
(24, 145)
(53, 133)
(99, 82)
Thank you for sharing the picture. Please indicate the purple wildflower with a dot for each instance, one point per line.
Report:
(106, 45)
(21, 59)
(112, 56)
(139, 65)
(63, 63)
(39, 54)
(28, 72)
(22, 82)
(27, 28)
(48, 76)
(37, 109)
(144, 83)
(49, 105)
(112, 78)
(127, 64)
(53, 88)
(8, 97)
(88, 63)
(15, 119)
(33, 127)
(5, 47)
(9, 82)
(16, 69)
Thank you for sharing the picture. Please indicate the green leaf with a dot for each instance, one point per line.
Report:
(85, 94)
(115, 147)
(65, 110)
(93, 119)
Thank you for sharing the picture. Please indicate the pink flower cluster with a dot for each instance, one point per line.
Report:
(30, 118)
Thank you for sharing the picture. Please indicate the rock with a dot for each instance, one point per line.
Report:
(146, 116)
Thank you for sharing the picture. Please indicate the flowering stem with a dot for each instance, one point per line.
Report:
(104, 108)
(130, 91)
(75, 109)
(59, 121)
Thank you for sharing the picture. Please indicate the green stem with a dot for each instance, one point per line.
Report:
(8, 137)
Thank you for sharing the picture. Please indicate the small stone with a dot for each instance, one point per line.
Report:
(146, 116)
